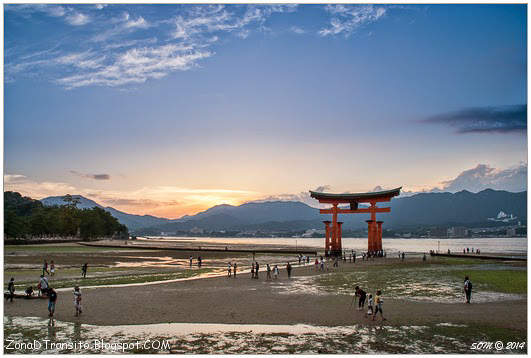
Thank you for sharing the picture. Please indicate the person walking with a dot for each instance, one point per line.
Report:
(268, 270)
(256, 268)
(468, 289)
(288, 268)
(84, 269)
(234, 269)
(52, 298)
(45, 268)
(229, 270)
(275, 271)
(252, 270)
(403, 256)
(378, 302)
(77, 301)
(52, 268)
(11, 289)
(191, 259)
(199, 261)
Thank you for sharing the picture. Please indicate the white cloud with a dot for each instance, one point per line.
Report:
(484, 176)
(77, 19)
(138, 66)
(348, 18)
(100, 6)
(140, 23)
(87, 60)
(109, 56)
(297, 30)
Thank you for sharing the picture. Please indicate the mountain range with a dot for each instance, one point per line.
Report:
(424, 209)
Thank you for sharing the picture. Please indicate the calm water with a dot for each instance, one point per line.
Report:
(486, 245)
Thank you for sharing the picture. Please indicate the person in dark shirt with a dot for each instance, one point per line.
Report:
(288, 268)
(11, 289)
(52, 298)
(29, 292)
(84, 270)
(256, 268)
(362, 295)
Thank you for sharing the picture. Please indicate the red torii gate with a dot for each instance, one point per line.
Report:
(333, 233)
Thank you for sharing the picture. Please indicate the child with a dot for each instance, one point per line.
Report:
(275, 272)
(379, 302)
(29, 292)
(77, 301)
(371, 305)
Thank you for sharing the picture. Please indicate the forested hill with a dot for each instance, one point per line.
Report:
(24, 216)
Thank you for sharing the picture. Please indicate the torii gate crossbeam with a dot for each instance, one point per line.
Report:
(333, 233)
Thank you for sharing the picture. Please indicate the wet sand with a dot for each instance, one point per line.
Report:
(244, 300)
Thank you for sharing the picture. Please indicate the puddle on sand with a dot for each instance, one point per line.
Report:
(228, 338)
(415, 285)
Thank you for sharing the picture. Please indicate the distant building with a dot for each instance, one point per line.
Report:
(457, 231)
(312, 232)
(438, 232)
(196, 230)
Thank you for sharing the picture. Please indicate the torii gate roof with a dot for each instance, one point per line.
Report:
(385, 195)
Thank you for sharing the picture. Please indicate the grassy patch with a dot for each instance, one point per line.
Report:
(507, 281)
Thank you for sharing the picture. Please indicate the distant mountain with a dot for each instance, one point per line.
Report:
(132, 221)
(425, 209)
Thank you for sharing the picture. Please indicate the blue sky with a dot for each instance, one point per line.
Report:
(169, 109)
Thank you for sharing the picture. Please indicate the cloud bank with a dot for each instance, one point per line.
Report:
(500, 119)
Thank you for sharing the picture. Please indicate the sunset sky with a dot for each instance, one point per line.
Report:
(171, 109)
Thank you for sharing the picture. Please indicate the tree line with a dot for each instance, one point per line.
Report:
(25, 217)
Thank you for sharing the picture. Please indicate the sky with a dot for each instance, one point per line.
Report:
(171, 109)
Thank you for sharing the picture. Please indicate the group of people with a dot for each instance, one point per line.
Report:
(199, 261)
(45, 270)
(374, 305)
(271, 272)
(471, 251)
(304, 259)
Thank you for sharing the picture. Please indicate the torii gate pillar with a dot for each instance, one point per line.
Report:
(379, 246)
(333, 244)
(328, 243)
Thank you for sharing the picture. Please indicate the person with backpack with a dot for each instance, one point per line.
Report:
(43, 285)
(468, 289)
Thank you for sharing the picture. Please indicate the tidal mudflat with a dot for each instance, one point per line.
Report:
(207, 312)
